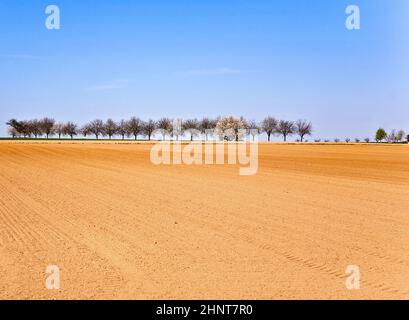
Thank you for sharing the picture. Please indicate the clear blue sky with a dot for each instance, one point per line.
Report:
(290, 59)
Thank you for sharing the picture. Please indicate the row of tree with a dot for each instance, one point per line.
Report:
(393, 137)
(230, 128)
(136, 127)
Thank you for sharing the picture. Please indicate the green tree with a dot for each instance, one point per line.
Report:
(380, 135)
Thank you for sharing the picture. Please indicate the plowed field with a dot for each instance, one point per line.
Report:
(118, 226)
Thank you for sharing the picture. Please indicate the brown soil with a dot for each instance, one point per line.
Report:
(121, 227)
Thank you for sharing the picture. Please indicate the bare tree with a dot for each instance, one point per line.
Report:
(191, 126)
(347, 140)
(123, 129)
(400, 135)
(176, 128)
(391, 137)
(34, 128)
(367, 140)
(303, 128)
(357, 140)
(244, 122)
(110, 128)
(85, 130)
(26, 128)
(96, 127)
(13, 132)
(285, 128)
(206, 125)
(336, 140)
(135, 127)
(269, 126)
(148, 128)
(165, 126)
(18, 126)
(14, 124)
(47, 126)
(70, 129)
(59, 129)
(253, 128)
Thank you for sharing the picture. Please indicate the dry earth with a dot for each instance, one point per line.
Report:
(120, 227)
